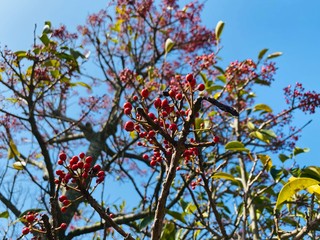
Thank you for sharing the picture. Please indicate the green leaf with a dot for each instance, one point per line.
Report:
(262, 107)
(176, 215)
(168, 45)
(276, 173)
(262, 53)
(168, 232)
(198, 122)
(44, 39)
(292, 187)
(226, 176)
(20, 54)
(263, 135)
(4, 214)
(219, 69)
(12, 150)
(266, 161)
(146, 221)
(283, 157)
(204, 77)
(83, 84)
(262, 82)
(19, 165)
(222, 78)
(183, 204)
(298, 150)
(236, 146)
(191, 208)
(270, 133)
(250, 126)
(218, 30)
(274, 55)
(311, 172)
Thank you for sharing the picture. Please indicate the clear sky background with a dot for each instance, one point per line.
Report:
(289, 26)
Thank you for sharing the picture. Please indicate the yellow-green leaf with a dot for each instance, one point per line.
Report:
(274, 55)
(168, 45)
(236, 146)
(12, 150)
(292, 187)
(262, 107)
(219, 29)
(251, 126)
(19, 165)
(262, 53)
(226, 176)
(266, 161)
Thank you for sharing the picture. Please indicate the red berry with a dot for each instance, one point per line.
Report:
(30, 218)
(74, 160)
(111, 215)
(189, 77)
(127, 111)
(129, 126)
(152, 116)
(82, 155)
(97, 168)
(144, 93)
(164, 103)
(63, 226)
(172, 93)
(88, 159)
(178, 168)
(201, 87)
(62, 198)
(84, 175)
(101, 174)
(62, 156)
(145, 156)
(157, 103)
(127, 105)
(153, 163)
(135, 98)
(25, 230)
(80, 165)
(173, 127)
(66, 202)
(60, 162)
(216, 139)
(179, 96)
(151, 134)
(64, 209)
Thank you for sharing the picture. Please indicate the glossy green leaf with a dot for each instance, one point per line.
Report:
(263, 135)
(276, 173)
(236, 146)
(191, 208)
(146, 221)
(219, 69)
(262, 107)
(4, 214)
(222, 78)
(12, 150)
(226, 176)
(311, 172)
(262, 53)
(298, 150)
(168, 45)
(262, 82)
(292, 187)
(250, 126)
(168, 232)
(266, 161)
(283, 157)
(176, 215)
(19, 165)
(44, 39)
(274, 55)
(219, 29)
(269, 132)
(204, 77)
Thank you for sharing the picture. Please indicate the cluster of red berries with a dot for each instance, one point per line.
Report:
(169, 118)
(195, 183)
(33, 222)
(77, 170)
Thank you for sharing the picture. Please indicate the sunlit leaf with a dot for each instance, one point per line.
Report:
(311, 172)
(12, 150)
(146, 221)
(236, 146)
(292, 187)
(168, 231)
(191, 208)
(274, 55)
(298, 150)
(44, 39)
(4, 214)
(226, 176)
(168, 45)
(176, 215)
(251, 126)
(262, 107)
(218, 29)
(266, 161)
(283, 157)
(262, 53)
(19, 165)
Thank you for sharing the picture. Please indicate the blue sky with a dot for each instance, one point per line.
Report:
(289, 26)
